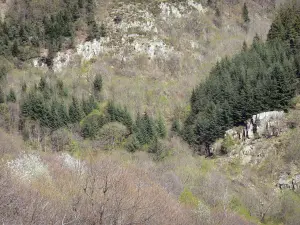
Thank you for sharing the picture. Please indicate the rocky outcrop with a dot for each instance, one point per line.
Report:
(251, 148)
(266, 124)
(133, 30)
(289, 182)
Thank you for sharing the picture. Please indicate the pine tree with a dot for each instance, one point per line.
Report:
(246, 18)
(42, 83)
(97, 84)
(245, 46)
(2, 96)
(15, 49)
(75, 111)
(176, 128)
(11, 97)
(161, 128)
(24, 87)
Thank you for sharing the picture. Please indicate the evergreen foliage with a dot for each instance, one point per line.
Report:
(76, 112)
(176, 127)
(286, 26)
(119, 114)
(97, 86)
(246, 18)
(2, 96)
(26, 29)
(50, 107)
(11, 97)
(92, 124)
(259, 79)
(161, 128)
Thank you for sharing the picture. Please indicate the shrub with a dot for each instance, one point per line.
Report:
(91, 124)
(112, 134)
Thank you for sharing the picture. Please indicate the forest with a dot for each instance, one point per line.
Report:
(263, 77)
(27, 29)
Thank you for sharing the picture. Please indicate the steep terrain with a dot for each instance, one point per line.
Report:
(95, 102)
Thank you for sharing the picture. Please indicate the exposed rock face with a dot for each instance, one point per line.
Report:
(251, 148)
(266, 124)
(289, 182)
(132, 30)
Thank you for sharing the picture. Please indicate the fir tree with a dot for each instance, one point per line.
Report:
(15, 49)
(176, 128)
(2, 96)
(11, 97)
(246, 18)
(75, 111)
(97, 85)
(161, 128)
(245, 46)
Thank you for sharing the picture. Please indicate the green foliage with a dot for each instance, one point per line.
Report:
(50, 107)
(119, 114)
(97, 84)
(259, 79)
(176, 126)
(145, 129)
(11, 97)
(91, 124)
(246, 18)
(30, 25)
(2, 96)
(88, 105)
(132, 143)
(3, 73)
(158, 149)
(236, 205)
(187, 198)
(161, 128)
(245, 46)
(227, 143)
(113, 134)
(286, 26)
(76, 112)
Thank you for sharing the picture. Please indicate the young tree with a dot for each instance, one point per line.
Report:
(245, 46)
(11, 97)
(161, 128)
(15, 49)
(246, 18)
(75, 111)
(2, 96)
(97, 84)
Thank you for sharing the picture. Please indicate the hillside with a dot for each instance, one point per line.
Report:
(149, 112)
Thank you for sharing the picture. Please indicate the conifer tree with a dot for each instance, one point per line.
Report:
(97, 85)
(24, 87)
(11, 97)
(245, 46)
(75, 111)
(161, 128)
(176, 128)
(246, 18)
(2, 96)
(15, 49)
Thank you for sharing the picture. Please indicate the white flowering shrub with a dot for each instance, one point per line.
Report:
(72, 163)
(28, 167)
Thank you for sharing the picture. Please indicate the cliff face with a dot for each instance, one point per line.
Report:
(168, 32)
(266, 124)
